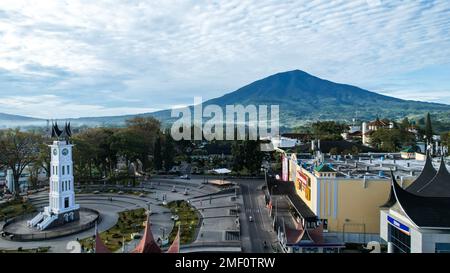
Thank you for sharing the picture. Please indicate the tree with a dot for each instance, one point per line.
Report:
(169, 151)
(328, 130)
(17, 151)
(148, 129)
(405, 124)
(391, 140)
(428, 129)
(157, 154)
(237, 151)
(253, 156)
(445, 137)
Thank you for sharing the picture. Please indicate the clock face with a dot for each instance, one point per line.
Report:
(65, 151)
(55, 152)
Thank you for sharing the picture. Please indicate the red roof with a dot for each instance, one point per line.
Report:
(379, 123)
(316, 234)
(100, 247)
(294, 236)
(175, 246)
(147, 243)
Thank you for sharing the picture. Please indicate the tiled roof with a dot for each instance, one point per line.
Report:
(424, 211)
(324, 168)
(147, 243)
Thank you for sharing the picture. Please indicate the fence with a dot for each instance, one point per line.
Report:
(48, 234)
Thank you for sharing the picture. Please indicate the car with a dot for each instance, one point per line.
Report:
(185, 176)
(250, 219)
(96, 192)
(135, 236)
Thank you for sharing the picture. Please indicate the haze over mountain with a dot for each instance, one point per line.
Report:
(301, 97)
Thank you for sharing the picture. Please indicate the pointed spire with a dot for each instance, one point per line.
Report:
(427, 174)
(56, 132)
(175, 246)
(147, 243)
(439, 186)
(100, 247)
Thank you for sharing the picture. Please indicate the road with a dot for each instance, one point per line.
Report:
(260, 229)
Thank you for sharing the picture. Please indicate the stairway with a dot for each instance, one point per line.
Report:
(36, 219)
(46, 222)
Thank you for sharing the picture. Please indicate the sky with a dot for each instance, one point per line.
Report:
(61, 59)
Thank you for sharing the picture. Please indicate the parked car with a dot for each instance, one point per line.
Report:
(135, 236)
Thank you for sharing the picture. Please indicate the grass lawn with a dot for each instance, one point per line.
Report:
(130, 221)
(188, 219)
(15, 208)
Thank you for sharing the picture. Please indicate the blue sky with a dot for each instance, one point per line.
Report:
(75, 58)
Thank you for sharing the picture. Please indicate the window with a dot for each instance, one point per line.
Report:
(66, 202)
(400, 240)
(442, 248)
(68, 169)
(63, 170)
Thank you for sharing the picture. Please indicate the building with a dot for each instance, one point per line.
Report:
(298, 229)
(347, 192)
(417, 219)
(408, 153)
(24, 179)
(62, 207)
(369, 128)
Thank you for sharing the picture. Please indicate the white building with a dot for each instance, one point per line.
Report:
(417, 219)
(62, 207)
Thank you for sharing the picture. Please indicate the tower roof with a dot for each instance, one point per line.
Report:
(324, 168)
(175, 246)
(424, 211)
(439, 186)
(147, 243)
(58, 133)
(427, 174)
(100, 247)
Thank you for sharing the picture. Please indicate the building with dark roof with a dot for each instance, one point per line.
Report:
(345, 191)
(430, 182)
(298, 229)
(417, 219)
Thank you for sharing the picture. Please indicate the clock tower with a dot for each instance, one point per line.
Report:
(62, 207)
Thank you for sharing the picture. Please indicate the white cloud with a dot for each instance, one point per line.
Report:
(147, 53)
(53, 107)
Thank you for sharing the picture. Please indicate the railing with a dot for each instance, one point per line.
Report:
(47, 221)
(35, 220)
(49, 234)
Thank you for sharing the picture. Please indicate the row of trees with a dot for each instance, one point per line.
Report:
(97, 150)
(392, 140)
(247, 155)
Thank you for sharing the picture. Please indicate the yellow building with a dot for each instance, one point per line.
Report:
(347, 204)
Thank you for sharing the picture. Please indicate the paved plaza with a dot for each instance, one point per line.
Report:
(222, 214)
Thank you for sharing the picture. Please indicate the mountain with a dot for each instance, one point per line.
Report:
(7, 121)
(303, 97)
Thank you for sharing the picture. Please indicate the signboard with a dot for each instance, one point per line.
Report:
(403, 228)
(285, 168)
(303, 178)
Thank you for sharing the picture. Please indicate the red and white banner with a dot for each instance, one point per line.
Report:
(285, 168)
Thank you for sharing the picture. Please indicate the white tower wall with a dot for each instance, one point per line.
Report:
(62, 195)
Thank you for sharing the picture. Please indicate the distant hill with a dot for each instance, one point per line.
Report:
(303, 97)
(8, 121)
